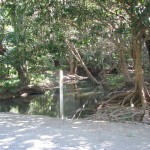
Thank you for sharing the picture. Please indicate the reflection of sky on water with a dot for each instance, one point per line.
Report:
(76, 96)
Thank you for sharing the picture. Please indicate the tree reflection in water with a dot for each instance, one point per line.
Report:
(76, 96)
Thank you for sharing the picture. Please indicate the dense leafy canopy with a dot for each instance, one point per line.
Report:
(37, 32)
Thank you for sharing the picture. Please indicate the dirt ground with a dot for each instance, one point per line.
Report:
(28, 132)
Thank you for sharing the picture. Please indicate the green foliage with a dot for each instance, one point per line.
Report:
(39, 78)
(114, 81)
(3, 70)
(34, 30)
(9, 85)
(36, 78)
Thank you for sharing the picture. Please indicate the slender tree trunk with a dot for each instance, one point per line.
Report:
(75, 67)
(71, 65)
(78, 58)
(123, 66)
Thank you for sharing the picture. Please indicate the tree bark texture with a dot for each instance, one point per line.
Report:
(141, 92)
(73, 65)
(22, 77)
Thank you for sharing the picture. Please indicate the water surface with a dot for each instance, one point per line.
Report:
(77, 96)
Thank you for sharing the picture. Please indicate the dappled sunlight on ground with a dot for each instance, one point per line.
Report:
(23, 132)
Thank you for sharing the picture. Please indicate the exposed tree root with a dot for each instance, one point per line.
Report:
(127, 98)
(118, 114)
(123, 107)
(131, 98)
(114, 99)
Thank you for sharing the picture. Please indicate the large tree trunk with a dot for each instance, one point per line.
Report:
(139, 96)
(24, 80)
(123, 65)
(140, 91)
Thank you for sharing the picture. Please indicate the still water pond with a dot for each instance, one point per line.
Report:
(76, 97)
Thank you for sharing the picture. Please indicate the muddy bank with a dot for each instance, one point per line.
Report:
(26, 91)
(40, 88)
